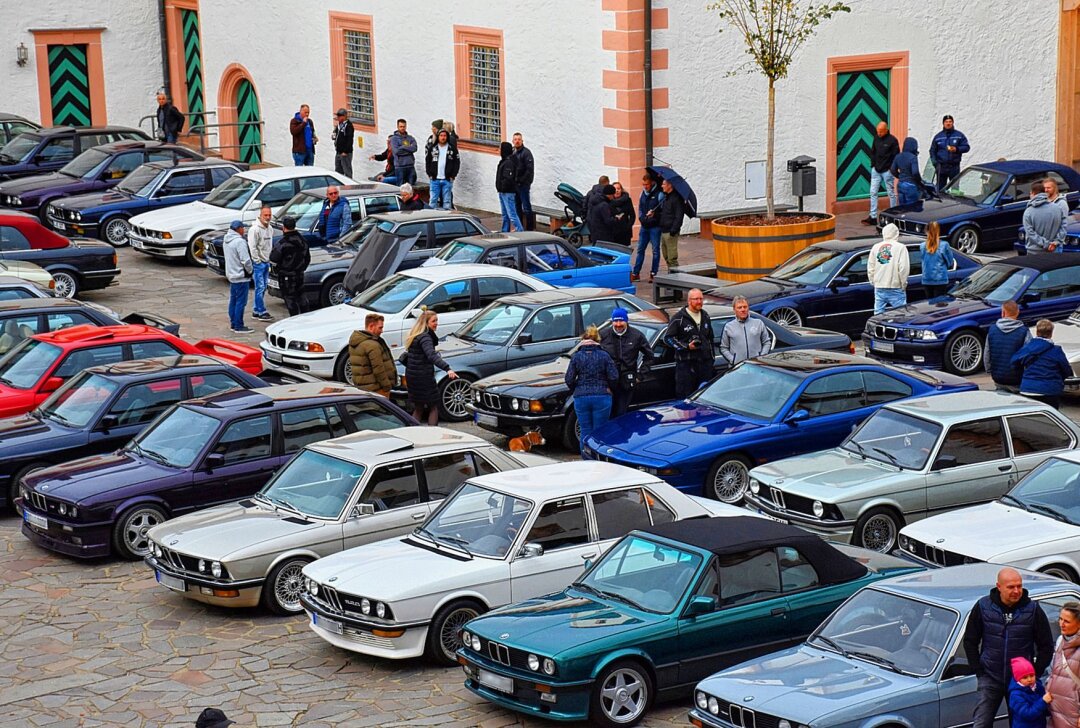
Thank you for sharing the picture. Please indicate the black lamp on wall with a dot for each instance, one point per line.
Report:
(22, 54)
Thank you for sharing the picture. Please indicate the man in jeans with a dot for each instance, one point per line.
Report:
(882, 154)
(302, 129)
(343, 143)
(403, 149)
(260, 238)
(526, 168)
(888, 270)
(442, 163)
(238, 272)
(649, 217)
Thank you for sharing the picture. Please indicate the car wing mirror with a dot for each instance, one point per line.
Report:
(415, 313)
(799, 415)
(1030, 297)
(52, 384)
(109, 422)
(531, 551)
(362, 509)
(957, 667)
(214, 461)
(701, 604)
(524, 339)
(255, 205)
(840, 282)
(944, 462)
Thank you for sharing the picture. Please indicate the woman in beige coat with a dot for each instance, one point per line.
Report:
(1064, 682)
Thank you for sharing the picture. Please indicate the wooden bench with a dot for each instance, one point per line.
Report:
(707, 217)
(556, 217)
(670, 286)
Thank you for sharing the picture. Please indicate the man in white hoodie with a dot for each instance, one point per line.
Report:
(888, 270)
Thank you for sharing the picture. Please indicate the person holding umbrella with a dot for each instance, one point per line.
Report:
(671, 220)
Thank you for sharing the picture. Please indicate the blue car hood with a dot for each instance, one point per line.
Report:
(21, 427)
(39, 183)
(658, 432)
(925, 313)
(759, 291)
(90, 200)
(89, 477)
(804, 684)
(929, 210)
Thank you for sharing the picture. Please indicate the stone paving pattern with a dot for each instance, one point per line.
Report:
(101, 644)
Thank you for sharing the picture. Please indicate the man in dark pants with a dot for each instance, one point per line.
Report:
(343, 141)
(169, 119)
(291, 257)
(602, 218)
(526, 171)
(1007, 336)
(882, 153)
(690, 334)
(625, 344)
(1004, 624)
(946, 152)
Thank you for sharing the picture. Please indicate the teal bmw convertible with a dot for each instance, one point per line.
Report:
(663, 608)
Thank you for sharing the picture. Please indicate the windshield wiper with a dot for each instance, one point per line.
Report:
(883, 661)
(857, 447)
(582, 586)
(886, 453)
(280, 502)
(831, 644)
(1047, 510)
(149, 454)
(1010, 499)
(625, 600)
(58, 418)
(456, 540)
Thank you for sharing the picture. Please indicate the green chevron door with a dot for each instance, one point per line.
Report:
(193, 77)
(862, 100)
(69, 85)
(248, 131)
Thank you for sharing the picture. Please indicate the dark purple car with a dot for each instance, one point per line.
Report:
(199, 453)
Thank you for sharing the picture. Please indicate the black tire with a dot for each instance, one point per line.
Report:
(1061, 571)
(571, 431)
(453, 394)
(129, 531)
(284, 598)
(450, 619)
(13, 487)
(967, 239)
(43, 212)
(963, 353)
(333, 292)
(728, 478)
(68, 284)
(111, 229)
(877, 529)
(343, 368)
(621, 695)
(195, 252)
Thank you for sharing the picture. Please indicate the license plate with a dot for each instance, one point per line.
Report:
(59, 226)
(171, 581)
(489, 420)
(137, 243)
(35, 520)
(271, 283)
(212, 262)
(495, 682)
(884, 346)
(272, 356)
(772, 518)
(330, 625)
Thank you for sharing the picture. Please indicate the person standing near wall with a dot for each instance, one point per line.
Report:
(947, 150)
(442, 163)
(882, 153)
(403, 148)
(260, 238)
(603, 219)
(169, 120)
(304, 140)
(623, 207)
(649, 216)
(506, 184)
(888, 270)
(343, 143)
(387, 156)
(526, 171)
(291, 257)
(671, 220)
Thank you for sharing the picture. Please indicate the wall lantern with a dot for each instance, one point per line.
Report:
(22, 54)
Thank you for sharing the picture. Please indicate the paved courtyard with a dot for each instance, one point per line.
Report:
(88, 644)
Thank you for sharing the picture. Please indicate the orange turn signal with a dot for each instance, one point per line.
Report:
(227, 593)
(543, 688)
(387, 632)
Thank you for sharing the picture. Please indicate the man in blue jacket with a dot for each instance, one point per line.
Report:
(335, 217)
(946, 150)
(403, 150)
(649, 217)
(1045, 366)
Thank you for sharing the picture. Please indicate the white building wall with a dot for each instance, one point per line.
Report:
(130, 49)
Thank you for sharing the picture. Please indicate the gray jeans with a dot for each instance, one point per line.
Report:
(343, 164)
(989, 696)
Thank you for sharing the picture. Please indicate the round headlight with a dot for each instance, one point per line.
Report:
(365, 606)
(534, 663)
(549, 666)
(476, 397)
(513, 404)
(314, 588)
(714, 706)
(819, 509)
(380, 610)
(476, 643)
(755, 486)
(215, 569)
(78, 216)
(157, 551)
(202, 565)
(524, 404)
(62, 509)
(73, 511)
(702, 700)
(905, 542)
(466, 639)
(783, 724)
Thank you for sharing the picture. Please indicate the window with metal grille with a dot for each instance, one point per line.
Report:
(359, 79)
(485, 99)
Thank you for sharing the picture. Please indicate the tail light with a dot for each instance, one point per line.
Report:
(115, 260)
(851, 347)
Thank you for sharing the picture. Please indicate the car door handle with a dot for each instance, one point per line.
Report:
(777, 611)
(589, 556)
(568, 276)
(1005, 468)
(419, 516)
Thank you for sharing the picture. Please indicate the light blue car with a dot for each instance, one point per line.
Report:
(891, 656)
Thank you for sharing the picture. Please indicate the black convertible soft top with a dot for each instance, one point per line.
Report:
(726, 535)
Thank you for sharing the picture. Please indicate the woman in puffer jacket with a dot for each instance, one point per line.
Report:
(1064, 682)
(590, 377)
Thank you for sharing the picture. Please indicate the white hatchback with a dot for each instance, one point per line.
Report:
(318, 342)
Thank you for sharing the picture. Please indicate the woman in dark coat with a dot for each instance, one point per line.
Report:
(623, 207)
(420, 362)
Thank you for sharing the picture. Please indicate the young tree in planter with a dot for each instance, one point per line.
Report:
(774, 30)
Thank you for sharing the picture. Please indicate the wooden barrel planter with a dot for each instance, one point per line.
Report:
(746, 252)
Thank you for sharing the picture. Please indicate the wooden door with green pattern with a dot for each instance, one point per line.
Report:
(249, 131)
(69, 85)
(862, 100)
(193, 75)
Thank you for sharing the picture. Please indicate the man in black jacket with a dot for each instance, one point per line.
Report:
(882, 154)
(602, 217)
(343, 141)
(690, 334)
(671, 220)
(625, 345)
(442, 163)
(526, 171)
(169, 119)
(291, 258)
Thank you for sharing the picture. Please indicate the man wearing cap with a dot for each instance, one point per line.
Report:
(602, 219)
(625, 345)
(745, 337)
(442, 162)
(291, 258)
(238, 270)
(335, 217)
(343, 143)
(946, 150)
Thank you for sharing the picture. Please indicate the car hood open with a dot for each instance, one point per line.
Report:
(379, 257)
(216, 533)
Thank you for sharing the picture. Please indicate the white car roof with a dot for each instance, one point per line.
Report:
(961, 406)
(369, 447)
(560, 480)
(273, 174)
(456, 272)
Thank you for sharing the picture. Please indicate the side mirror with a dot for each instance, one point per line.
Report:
(52, 384)
(799, 415)
(109, 422)
(701, 605)
(255, 205)
(214, 461)
(1030, 297)
(362, 509)
(957, 667)
(524, 339)
(415, 313)
(531, 551)
(840, 282)
(944, 462)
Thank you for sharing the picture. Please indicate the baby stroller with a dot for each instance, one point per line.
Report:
(574, 205)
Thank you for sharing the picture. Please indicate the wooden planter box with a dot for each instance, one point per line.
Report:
(746, 252)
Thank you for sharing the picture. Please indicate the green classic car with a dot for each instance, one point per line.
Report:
(664, 608)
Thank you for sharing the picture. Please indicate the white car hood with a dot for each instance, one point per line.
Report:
(182, 217)
(219, 533)
(330, 327)
(991, 531)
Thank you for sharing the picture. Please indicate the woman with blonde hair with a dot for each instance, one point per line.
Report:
(937, 261)
(421, 358)
(1063, 684)
(590, 377)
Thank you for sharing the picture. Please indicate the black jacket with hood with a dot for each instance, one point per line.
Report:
(506, 175)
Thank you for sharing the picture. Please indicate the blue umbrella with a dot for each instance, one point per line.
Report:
(681, 186)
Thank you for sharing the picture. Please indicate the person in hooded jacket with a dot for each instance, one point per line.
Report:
(1062, 684)
(596, 194)
(442, 163)
(291, 258)
(1053, 193)
(907, 180)
(238, 270)
(1007, 336)
(1029, 703)
(1045, 366)
(937, 261)
(625, 345)
(590, 378)
(506, 184)
(888, 269)
(1044, 222)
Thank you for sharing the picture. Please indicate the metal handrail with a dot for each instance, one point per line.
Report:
(201, 130)
(153, 119)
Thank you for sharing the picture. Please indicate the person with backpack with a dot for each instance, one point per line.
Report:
(506, 184)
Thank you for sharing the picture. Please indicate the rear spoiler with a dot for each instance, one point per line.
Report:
(240, 356)
(149, 319)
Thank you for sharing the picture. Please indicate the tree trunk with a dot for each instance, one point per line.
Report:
(770, 204)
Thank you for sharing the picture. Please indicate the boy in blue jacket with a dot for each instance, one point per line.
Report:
(1029, 703)
(1045, 366)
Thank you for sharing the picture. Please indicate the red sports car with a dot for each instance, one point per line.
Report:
(40, 364)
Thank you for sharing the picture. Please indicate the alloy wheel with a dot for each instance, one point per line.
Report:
(450, 630)
(965, 353)
(116, 232)
(786, 317)
(455, 395)
(136, 526)
(730, 481)
(337, 294)
(967, 241)
(66, 285)
(624, 695)
(289, 585)
(879, 533)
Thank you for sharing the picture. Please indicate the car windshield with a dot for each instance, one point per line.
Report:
(76, 403)
(314, 484)
(895, 438)
(811, 267)
(749, 389)
(978, 185)
(392, 295)
(304, 208)
(233, 193)
(175, 438)
(141, 181)
(459, 252)
(494, 325)
(483, 522)
(19, 148)
(888, 630)
(995, 283)
(23, 366)
(86, 163)
(1052, 489)
(644, 574)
